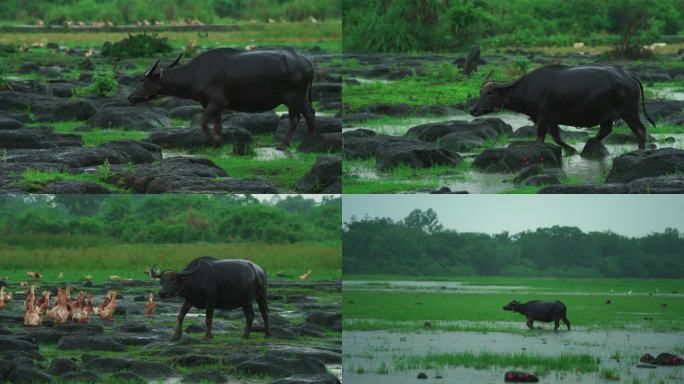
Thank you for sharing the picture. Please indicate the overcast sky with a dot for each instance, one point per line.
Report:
(624, 214)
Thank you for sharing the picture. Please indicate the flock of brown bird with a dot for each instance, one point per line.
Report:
(65, 309)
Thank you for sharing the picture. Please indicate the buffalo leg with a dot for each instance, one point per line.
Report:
(605, 130)
(212, 112)
(263, 308)
(207, 321)
(541, 131)
(218, 127)
(530, 323)
(294, 115)
(637, 128)
(555, 134)
(309, 116)
(249, 318)
(566, 321)
(556, 324)
(181, 315)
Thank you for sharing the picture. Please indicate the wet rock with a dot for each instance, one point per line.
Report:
(7, 123)
(90, 343)
(309, 379)
(63, 88)
(108, 364)
(324, 355)
(151, 369)
(60, 109)
(60, 366)
(660, 109)
(390, 109)
(135, 327)
(484, 128)
(186, 175)
(422, 375)
(27, 68)
(10, 343)
(585, 189)
(436, 110)
(310, 330)
(594, 149)
(322, 124)
(359, 116)
(257, 123)
(80, 376)
(129, 118)
(194, 360)
(281, 366)
(186, 112)
(325, 176)
(28, 375)
(208, 376)
(415, 154)
(18, 116)
(675, 119)
(517, 156)
(543, 179)
(14, 101)
(525, 132)
(329, 320)
(657, 185)
(359, 133)
(460, 141)
(624, 138)
(128, 377)
(283, 333)
(194, 138)
(29, 138)
(325, 142)
(326, 91)
(646, 163)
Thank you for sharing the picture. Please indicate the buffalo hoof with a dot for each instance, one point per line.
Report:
(267, 334)
(245, 335)
(208, 337)
(175, 338)
(283, 147)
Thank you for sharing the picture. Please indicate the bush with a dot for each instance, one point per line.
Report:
(103, 84)
(143, 45)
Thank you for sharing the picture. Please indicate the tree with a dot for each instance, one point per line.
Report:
(425, 221)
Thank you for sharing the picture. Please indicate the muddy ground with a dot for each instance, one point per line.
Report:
(413, 146)
(305, 347)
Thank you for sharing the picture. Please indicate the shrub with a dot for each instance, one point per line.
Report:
(103, 84)
(143, 45)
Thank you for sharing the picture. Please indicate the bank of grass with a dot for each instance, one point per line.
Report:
(540, 364)
(35, 180)
(41, 254)
(324, 34)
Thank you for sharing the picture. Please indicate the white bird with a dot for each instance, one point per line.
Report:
(629, 292)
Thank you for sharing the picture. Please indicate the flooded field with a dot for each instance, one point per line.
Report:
(456, 331)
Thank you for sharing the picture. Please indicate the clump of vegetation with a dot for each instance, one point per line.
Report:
(6, 49)
(639, 29)
(143, 45)
(103, 84)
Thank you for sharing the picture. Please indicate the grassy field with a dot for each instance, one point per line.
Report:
(130, 260)
(650, 304)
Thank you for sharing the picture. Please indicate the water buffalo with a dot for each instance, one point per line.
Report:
(582, 96)
(545, 311)
(237, 80)
(209, 283)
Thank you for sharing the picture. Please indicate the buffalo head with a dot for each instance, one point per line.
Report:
(512, 306)
(171, 281)
(492, 96)
(150, 83)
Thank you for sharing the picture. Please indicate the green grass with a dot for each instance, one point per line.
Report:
(34, 180)
(540, 364)
(130, 260)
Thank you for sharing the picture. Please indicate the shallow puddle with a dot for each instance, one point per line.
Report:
(368, 352)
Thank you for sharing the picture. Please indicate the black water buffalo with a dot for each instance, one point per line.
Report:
(233, 79)
(545, 311)
(209, 283)
(582, 96)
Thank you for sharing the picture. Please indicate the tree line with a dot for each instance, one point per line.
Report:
(444, 25)
(419, 245)
(27, 219)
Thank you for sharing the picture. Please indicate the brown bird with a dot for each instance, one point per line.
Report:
(305, 276)
(105, 302)
(150, 306)
(31, 317)
(43, 303)
(108, 312)
(2, 297)
(22, 284)
(34, 275)
(76, 308)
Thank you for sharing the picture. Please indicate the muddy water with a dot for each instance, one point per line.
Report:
(367, 351)
(669, 94)
(578, 169)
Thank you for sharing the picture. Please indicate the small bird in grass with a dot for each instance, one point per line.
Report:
(22, 284)
(305, 276)
(61, 275)
(150, 306)
(34, 275)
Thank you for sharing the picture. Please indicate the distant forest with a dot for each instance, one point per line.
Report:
(67, 220)
(419, 245)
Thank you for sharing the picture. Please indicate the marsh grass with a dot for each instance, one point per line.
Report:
(540, 364)
(130, 260)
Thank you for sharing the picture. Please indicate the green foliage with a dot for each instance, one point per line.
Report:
(438, 25)
(380, 245)
(103, 84)
(175, 219)
(6, 49)
(142, 45)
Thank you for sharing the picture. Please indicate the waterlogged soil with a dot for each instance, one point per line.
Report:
(390, 347)
(305, 322)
